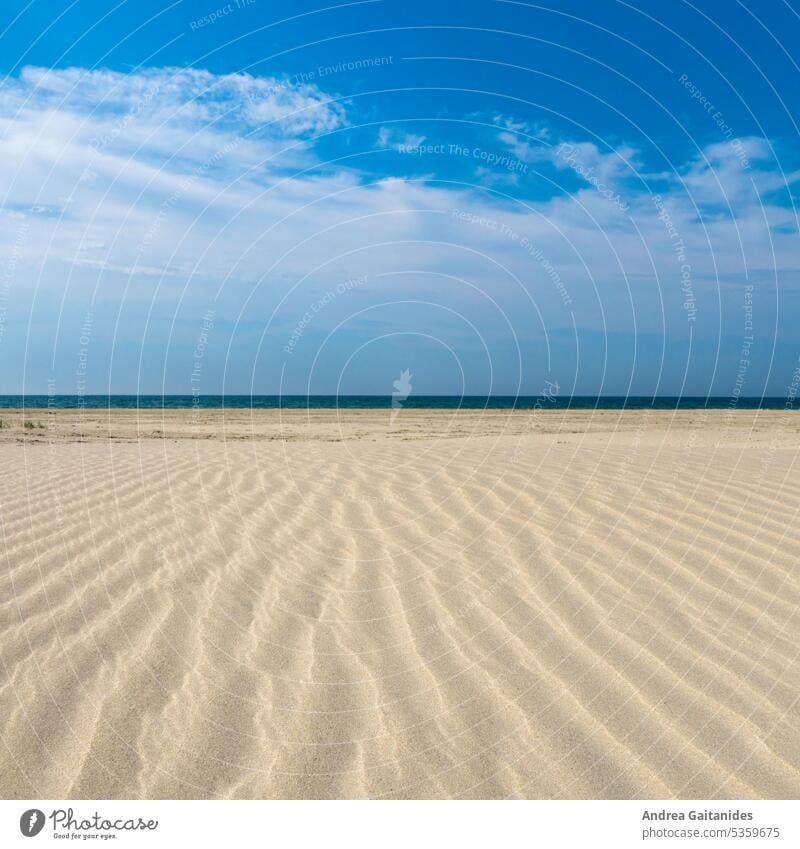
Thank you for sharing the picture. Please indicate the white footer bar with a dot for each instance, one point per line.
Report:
(402, 825)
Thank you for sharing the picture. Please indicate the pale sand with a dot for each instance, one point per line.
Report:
(472, 605)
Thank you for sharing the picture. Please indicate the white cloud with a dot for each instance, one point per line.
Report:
(398, 140)
(213, 181)
(185, 95)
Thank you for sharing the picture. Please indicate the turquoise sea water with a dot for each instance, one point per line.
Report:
(444, 402)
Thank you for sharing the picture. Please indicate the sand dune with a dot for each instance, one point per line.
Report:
(474, 605)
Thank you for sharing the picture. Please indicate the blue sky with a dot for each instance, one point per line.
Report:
(239, 197)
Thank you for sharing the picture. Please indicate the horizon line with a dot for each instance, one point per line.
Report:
(353, 395)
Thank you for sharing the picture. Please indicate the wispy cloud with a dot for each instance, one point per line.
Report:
(218, 183)
(397, 139)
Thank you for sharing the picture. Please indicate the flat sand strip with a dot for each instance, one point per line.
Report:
(435, 604)
(700, 427)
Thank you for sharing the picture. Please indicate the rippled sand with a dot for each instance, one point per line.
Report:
(436, 605)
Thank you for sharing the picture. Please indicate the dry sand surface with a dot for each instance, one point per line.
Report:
(568, 605)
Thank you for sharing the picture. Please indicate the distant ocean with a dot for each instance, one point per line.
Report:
(419, 402)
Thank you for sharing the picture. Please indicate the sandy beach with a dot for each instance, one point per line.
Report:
(427, 604)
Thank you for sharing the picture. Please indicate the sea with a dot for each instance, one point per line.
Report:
(417, 402)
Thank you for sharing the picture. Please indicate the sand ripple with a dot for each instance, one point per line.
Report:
(492, 614)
